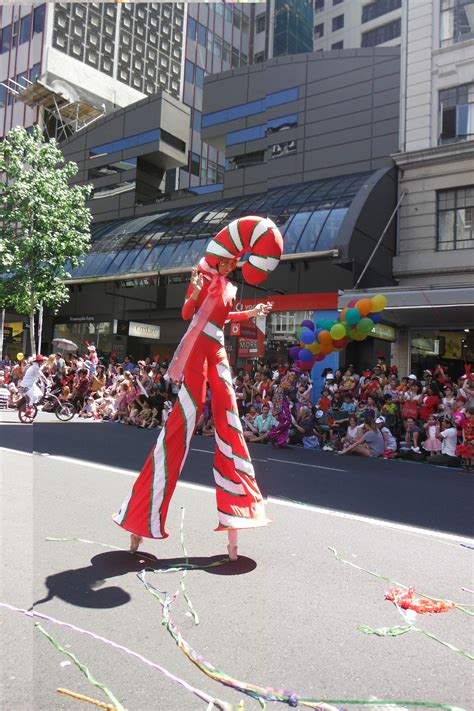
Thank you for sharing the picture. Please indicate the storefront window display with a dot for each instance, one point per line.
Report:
(80, 329)
(454, 348)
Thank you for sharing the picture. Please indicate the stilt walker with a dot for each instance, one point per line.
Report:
(199, 357)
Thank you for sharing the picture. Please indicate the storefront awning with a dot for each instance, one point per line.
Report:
(424, 306)
(317, 219)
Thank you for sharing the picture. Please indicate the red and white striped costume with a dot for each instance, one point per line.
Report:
(239, 501)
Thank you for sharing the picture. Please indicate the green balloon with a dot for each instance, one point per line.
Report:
(299, 331)
(365, 325)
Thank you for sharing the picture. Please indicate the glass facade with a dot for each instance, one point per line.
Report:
(277, 98)
(379, 8)
(382, 34)
(456, 21)
(456, 108)
(293, 32)
(455, 219)
(309, 216)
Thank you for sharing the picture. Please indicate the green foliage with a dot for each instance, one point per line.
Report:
(44, 222)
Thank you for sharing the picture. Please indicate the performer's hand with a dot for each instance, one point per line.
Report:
(263, 309)
(197, 280)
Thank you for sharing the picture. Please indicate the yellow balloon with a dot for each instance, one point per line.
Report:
(379, 302)
(358, 336)
(314, 347)
(20, 356)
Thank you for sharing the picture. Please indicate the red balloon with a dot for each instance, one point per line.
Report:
(305, 365)
(341, 343)
(319, 357)
(352, 303)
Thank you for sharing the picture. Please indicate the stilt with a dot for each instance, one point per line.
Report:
(232, 547)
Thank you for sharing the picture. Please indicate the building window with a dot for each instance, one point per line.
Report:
(338, 45)
(457, 21)
(38, 19)
(3, 96)
(197, 120)
(456, 108)
(6, 37)
(189, 71)
(337, 2)
(319, 30)
(379, 8)
(382, 34)
(191, 28)
(337, 23)
(259, 58)
(201, 35)
(282, 149)
(194, 164)
(15, 33)
(318, 6)
(455, 219)
(35, 72)
(199, 77)
(260, 24)
(25, 29)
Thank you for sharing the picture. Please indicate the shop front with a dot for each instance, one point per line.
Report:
(13, 338)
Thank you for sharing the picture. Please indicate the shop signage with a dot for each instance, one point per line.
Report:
(144, 330)
(293, 302)
(80, 319)
(381, 330)
(248, 348)
(247, 330)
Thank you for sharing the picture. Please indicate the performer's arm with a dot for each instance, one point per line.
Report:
(258, 310)
(192, 295)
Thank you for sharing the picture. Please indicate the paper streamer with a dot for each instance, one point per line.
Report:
(81, 697)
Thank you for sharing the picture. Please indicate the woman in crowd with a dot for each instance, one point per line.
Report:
(369, 444)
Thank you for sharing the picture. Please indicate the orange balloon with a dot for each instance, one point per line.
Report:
(364, 306)
(326, 348)
(314, 347)
(325, 337)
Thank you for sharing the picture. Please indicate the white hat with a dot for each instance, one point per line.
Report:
(329, 376)
(319, 413)
(380, 420)
(412, 377)
(428, 371)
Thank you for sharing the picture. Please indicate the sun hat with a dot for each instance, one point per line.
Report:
(329, 376)
(412, 377)
(380, 420)
(39, 359)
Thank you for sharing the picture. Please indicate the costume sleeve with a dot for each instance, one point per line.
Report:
(188, 309)
(238, 316)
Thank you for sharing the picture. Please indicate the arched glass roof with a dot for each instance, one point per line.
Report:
(309, 216)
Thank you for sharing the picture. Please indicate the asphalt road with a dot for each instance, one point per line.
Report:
(284, 615)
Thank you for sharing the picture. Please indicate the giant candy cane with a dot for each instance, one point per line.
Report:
(257, 235)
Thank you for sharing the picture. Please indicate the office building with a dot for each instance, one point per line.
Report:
(434, 263)
(349, 24)
(282, 28)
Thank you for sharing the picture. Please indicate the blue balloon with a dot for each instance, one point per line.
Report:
(307, 336)
(376, 318)
(307, 324)
(306, 355)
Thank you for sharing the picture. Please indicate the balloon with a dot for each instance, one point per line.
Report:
(338, 331)
(340, 343)
(305, 355)
(326, 324)
(352, 316)
(307, 365)
(307, 336)
(358, 336)
(342, 315)
(20, 356)
(364, 306)
(294, 352)
(307, 324)
(365, 325)
(319, 357)
(324, 337)
(348, 329)
(352, 303)
(314, 348)
(376, 318)
(379, 302)
(299, 331)
(326, 348)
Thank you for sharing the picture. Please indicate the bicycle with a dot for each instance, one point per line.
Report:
(27, 412)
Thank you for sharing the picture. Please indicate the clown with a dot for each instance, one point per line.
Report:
(201, 358)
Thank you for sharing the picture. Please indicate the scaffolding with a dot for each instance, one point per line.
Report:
(68, 116)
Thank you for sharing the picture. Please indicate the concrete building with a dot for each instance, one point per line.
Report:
(346, 24)
(94, 57)
(282, 28)
(293, 154)
(434, 264)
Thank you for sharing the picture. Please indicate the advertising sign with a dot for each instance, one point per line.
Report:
(247, 348)
(144, 330)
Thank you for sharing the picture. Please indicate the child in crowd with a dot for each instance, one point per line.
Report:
(167, 407)
(155, 419)
(145, 416)
(89, 409)
(466, 449)
(106, 408)
(390, 443)
(432, 443)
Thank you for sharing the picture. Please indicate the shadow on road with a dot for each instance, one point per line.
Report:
(88, 587)
(414, 494)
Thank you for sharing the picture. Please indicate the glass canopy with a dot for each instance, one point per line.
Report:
(309, 216)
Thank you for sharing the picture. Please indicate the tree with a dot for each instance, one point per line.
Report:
(44, 223)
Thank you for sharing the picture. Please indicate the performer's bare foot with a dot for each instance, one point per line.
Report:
(232, 546)
(135, 542)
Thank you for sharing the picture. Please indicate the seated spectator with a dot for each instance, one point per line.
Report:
(348, 404)
(155, 419)
(353, 432)
(369, 444)
(324, 402)
(411, 400)
(448, 401)
(303, 425)
(144, 418)
(250, 432)
(466, 449)
(429, 403)
(89, 409)
(209, 429)
(167, 407)
(121, 402)
(263, 423)
(448, 437)
(106, 407)
(368, 409)
(412, 439)
(390, 443)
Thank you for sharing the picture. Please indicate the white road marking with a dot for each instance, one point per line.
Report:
(413, 530)
(207, 451)
(302, 464)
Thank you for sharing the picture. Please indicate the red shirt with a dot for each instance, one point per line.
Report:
(429, 405)
(324, 403)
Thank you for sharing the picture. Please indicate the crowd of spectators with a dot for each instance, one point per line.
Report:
(375, 413)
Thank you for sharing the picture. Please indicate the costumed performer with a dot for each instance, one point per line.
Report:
(201, 357)
(279, 435)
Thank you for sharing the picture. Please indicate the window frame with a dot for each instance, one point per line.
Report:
(335, 24)
(456, 193)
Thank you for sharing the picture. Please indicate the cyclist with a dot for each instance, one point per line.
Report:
(29, 383)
